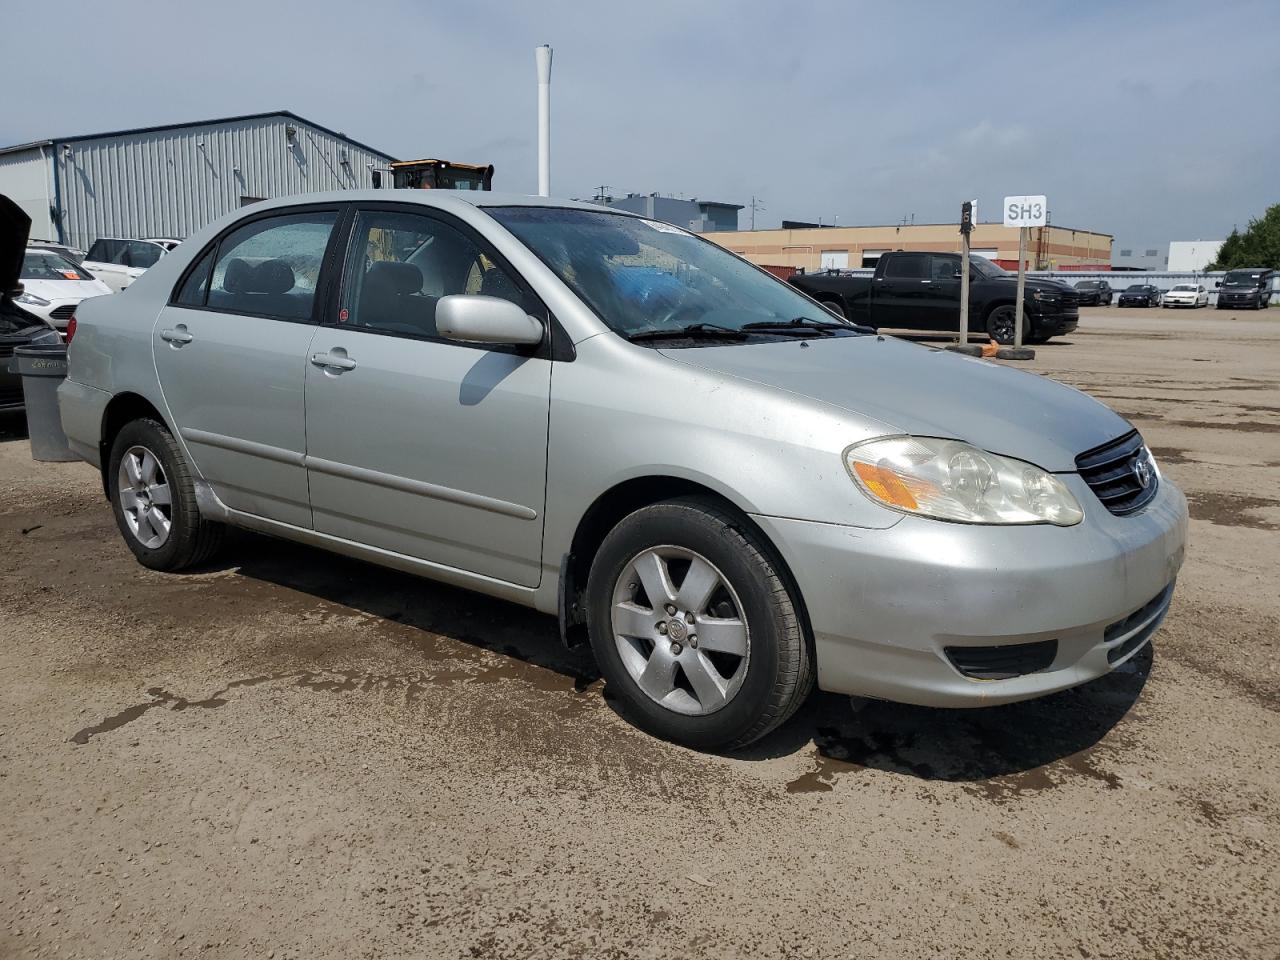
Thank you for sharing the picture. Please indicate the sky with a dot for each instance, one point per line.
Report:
(1150, 121)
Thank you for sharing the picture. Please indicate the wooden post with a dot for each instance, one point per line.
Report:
(964, 290)
(1022, 286)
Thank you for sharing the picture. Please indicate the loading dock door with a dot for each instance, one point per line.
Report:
(835, 259)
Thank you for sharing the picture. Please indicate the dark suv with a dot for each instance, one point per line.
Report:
(1250, 287)
(1094, 293)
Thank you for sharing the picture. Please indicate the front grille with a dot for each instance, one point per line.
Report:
(1005, 662)
(64, 312)
(1112, 473)
(1145, 620)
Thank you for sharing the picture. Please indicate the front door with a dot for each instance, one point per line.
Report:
(230, 351)
(416, 444)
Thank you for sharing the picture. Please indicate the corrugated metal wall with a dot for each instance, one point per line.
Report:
(26, 178)
(169, 183)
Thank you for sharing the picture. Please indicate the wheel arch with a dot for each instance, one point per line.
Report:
(624, 498)
(121, 410)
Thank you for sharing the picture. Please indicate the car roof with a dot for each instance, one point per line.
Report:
(441, 199)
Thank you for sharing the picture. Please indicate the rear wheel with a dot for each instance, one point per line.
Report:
(694, 627)
(834, 307)
(154, 501)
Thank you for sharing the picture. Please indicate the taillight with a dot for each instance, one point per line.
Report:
(71, 329)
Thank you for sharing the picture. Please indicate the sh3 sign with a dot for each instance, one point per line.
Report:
(1025, 211)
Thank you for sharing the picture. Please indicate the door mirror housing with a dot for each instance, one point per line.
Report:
(1217, 283)
(471, 318)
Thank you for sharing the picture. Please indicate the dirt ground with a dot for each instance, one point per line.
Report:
(295, 755)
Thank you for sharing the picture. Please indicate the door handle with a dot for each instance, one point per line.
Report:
(926, 281)
(333, 360)
(177, 336)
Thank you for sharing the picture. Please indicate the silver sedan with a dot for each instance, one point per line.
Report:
(730, 494)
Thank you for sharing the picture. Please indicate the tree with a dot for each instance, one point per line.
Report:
(1258, 246)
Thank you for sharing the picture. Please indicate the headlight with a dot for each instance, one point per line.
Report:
(951, 480)
(31, 300)
(1043, 295)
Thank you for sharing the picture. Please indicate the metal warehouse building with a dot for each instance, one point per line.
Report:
(171, 180)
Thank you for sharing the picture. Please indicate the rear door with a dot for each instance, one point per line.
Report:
(230, 351)
(941, 299)
(901, 290)
(416, 444)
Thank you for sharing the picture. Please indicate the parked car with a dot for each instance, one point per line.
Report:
(167, 242)
(1094, 293)
(120, 262)
(1250, 287)
(1186, 295)
(54, 286)
(723, 488)
(74, 254)
(921, 291)
(18, 326)
(1139, 295)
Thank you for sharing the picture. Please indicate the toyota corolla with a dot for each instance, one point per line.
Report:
(730, 494)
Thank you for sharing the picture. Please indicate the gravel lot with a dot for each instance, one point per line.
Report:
(295, 755)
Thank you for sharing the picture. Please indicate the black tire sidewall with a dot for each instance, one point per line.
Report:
(991, 324)
(182, 519)
(684, 525)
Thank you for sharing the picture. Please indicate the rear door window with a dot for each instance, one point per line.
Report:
(270, 267)
(107, 251)
(908, 266)
(139, 253)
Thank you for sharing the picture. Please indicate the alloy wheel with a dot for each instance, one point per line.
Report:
(144, 496)
(680, 631)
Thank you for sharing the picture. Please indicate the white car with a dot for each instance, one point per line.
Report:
(54, 286)
(120, 262)
(1186, 295)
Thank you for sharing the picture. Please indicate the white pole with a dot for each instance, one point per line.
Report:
(543, 56)
(1022, 282)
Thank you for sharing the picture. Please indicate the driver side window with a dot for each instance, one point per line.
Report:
(399, 265)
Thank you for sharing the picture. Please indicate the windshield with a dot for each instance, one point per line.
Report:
(1242, 278)
(1136, 288)
(46, 265)
(985, 268)
(1088, 284)
(1184, 287)
(642, 276)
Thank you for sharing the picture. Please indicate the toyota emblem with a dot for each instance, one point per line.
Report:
(1142, 470)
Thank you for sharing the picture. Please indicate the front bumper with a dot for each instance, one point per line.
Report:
(886, 605)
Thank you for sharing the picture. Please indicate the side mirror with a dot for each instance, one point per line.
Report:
(1217, 283)
(475, 319)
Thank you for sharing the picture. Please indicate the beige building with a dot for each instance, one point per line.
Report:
(816, 248)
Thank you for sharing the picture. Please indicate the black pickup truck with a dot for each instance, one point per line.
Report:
(921, 291)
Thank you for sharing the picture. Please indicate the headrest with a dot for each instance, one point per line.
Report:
(271, 276)
(401, 278)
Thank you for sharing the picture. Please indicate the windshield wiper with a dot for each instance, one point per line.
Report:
(693, 331)
(800, 324)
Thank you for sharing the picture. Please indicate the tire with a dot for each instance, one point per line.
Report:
(1000, 325)
(751, 692)
(835, 308)
(189, 539)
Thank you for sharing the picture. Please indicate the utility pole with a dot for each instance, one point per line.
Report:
(755, 205)
(602, 193)
(962, 344)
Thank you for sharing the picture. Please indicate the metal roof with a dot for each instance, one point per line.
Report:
(194, 123)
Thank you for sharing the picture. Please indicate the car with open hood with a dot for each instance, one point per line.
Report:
(19, 326)
(728, 492)
(53, 286)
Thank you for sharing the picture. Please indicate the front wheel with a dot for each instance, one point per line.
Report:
(1001, 323)
(154, 500)
(835, 308)
(694, 626)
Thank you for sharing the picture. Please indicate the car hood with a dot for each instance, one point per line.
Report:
(927, 392)
(15, 227)
(65, 289)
